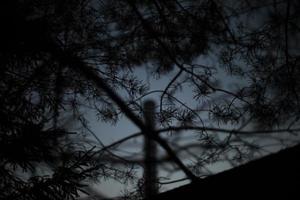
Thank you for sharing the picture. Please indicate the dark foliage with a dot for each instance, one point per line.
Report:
(59, 57)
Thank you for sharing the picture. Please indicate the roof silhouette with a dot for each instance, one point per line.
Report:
(273, 176)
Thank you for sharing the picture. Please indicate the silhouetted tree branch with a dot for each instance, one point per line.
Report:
(227, 71)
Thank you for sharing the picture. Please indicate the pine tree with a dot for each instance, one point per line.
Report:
(58, 57)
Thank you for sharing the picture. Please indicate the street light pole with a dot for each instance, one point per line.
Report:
(150, 150)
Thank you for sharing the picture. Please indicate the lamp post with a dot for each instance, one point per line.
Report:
(150, 149)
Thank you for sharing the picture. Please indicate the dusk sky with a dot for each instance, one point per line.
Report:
(134, 98)
(109, 133)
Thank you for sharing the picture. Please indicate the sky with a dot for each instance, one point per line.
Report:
(109, 134)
